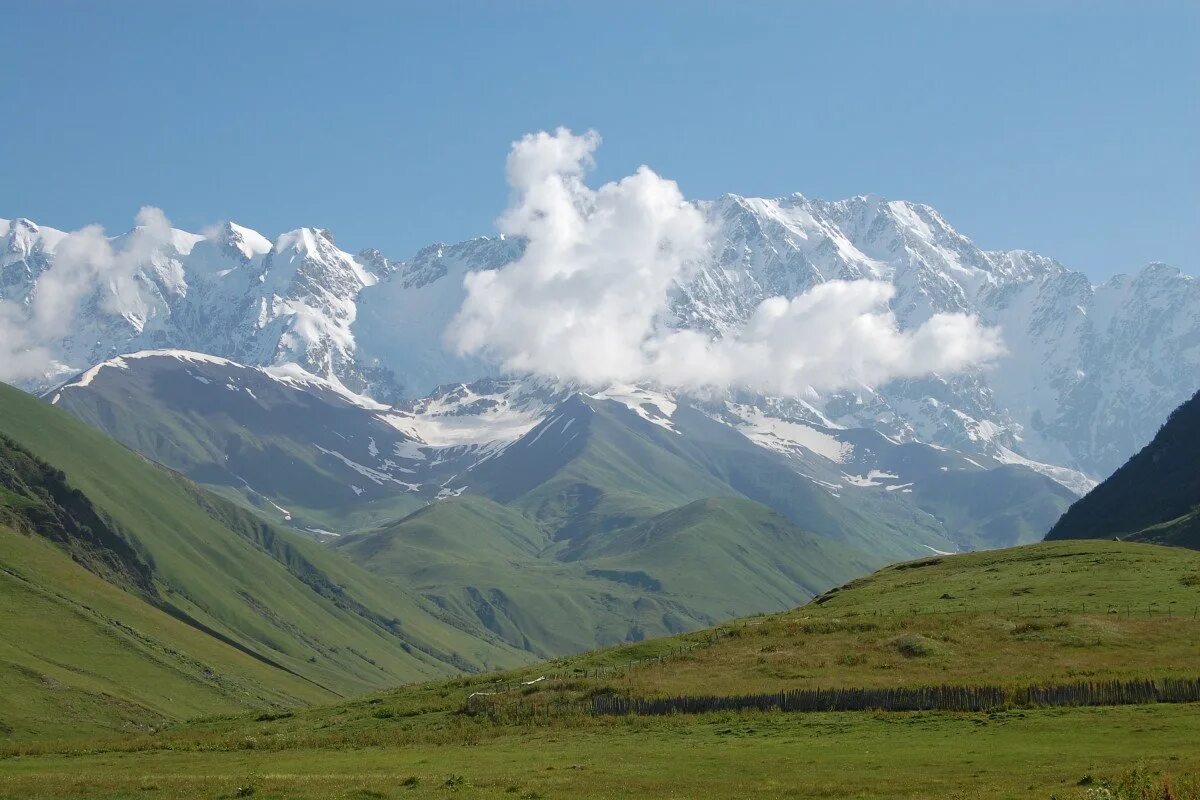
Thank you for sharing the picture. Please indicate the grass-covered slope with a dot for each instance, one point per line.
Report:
(594, 466)
(1153, 497)
(478, 558)
(682, 569)
(281, 618)
(722, 555)
(1046, 613)
(82, 657)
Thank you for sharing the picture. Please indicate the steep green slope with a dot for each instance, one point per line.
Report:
(1154, 497)
(81, 657)
(477, 558)
(318, 623)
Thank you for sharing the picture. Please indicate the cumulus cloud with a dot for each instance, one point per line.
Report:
(583, 301)
(588, 300)
(84, 261)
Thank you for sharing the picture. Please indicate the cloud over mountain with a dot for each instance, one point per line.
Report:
(588, 301)
(1088, 374)
(83, 262)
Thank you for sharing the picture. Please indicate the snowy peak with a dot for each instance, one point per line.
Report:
(1089, 374)
(787, 245)
(25, 241)
(310, 256)
(307, 241)
(436, 261)
(867, 236)
(20, 236)
(1016, 266)
(244, 243)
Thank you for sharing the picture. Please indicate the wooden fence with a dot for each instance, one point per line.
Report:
(929, 698)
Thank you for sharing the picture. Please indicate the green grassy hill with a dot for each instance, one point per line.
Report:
(180, 602)
(81, 657)
(1087, 610)
(724, 555)
(1153, 497)
(1044, 613)
(682, 569)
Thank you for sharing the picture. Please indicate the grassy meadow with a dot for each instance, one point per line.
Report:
(1045, 753)
(1088, 610)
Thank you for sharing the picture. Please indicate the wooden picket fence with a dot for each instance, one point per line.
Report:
(928, 698)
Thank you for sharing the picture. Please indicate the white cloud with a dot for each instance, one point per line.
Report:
(21, 355)
(84, 261)
(587, 302)
(584, 299)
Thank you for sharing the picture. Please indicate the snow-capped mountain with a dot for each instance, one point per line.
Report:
(1090, 372)
(230, 293)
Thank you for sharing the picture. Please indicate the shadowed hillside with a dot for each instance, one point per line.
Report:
(1153, 497)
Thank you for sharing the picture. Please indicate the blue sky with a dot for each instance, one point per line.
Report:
(1068, 128)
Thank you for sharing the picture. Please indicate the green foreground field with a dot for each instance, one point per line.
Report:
(1018, 754)
(1037, 615)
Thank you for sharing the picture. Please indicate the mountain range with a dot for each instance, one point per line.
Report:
(312, 386)
(1089, 369)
